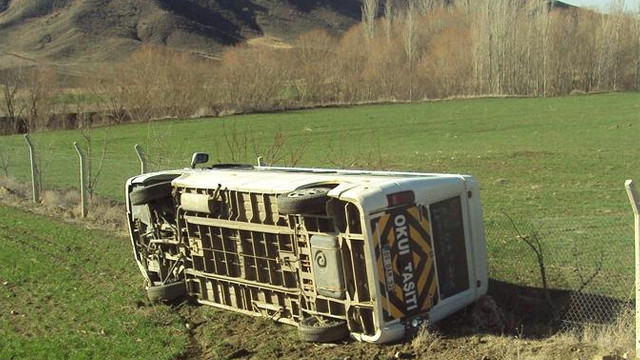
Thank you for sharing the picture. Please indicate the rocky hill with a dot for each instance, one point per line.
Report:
(68, 31)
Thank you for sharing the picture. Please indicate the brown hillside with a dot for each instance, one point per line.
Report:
(85, 31)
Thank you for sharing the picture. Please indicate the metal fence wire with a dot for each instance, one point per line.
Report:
(588, 263)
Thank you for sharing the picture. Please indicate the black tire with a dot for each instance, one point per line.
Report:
(313, 330)
(303, 201)
(145, 194)
(166, 292)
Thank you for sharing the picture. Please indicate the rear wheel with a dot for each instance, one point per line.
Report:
(313, 329)
(303, 201)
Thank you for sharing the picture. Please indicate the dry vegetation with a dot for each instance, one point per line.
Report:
(64, 204)
(426, 50)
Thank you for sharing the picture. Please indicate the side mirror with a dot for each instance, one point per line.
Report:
(199, 158)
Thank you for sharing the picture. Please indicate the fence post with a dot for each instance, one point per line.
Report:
(142, 157)
(35, 174)
(83, 187)
(635, 204)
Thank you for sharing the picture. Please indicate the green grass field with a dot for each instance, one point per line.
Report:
(70, 293)
(556, 164)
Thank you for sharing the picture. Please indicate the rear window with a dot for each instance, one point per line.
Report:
(449, 246)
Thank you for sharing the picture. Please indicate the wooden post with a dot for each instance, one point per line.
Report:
(35, 174)
(142, 158)
(83, 188)
(635, 204)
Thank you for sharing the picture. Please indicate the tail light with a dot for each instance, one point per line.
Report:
(400, 198)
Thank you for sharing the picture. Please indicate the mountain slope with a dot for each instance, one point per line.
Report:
(89, 31)
(103, 30)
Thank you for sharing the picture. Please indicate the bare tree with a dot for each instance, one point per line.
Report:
(252, 78)
(369, 12)
(110, 96)
(425, 6)
(95, 156)
(543, 25)
(40, 86)
(313, 64)
(409, 42)
(388, 17)
(12, 82)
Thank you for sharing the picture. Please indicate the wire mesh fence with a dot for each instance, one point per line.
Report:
(583, 260)
(585, 265)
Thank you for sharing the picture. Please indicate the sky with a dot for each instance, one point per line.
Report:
(601, 4)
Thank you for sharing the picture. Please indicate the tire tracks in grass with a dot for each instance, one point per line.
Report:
(195, 349)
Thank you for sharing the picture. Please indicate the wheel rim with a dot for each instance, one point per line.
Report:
(306, 192)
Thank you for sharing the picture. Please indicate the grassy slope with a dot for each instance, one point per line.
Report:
(559, 161)
(70, 293)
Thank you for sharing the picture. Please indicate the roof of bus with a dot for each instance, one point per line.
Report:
(281, 179)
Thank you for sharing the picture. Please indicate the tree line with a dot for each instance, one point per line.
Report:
(401, 51)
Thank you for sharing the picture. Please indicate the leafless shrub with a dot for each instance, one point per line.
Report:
(533, 240)
(312, 63)
(4, 158)
(12, 188)
(281, 149)
(237, 141)
(161, 151)
(253, 78)
(111, 97)
(67, 200)
(156, 82)
(372, 157)
(273, 153)
(95, 154)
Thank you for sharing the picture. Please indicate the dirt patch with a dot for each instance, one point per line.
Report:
(219, 334)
